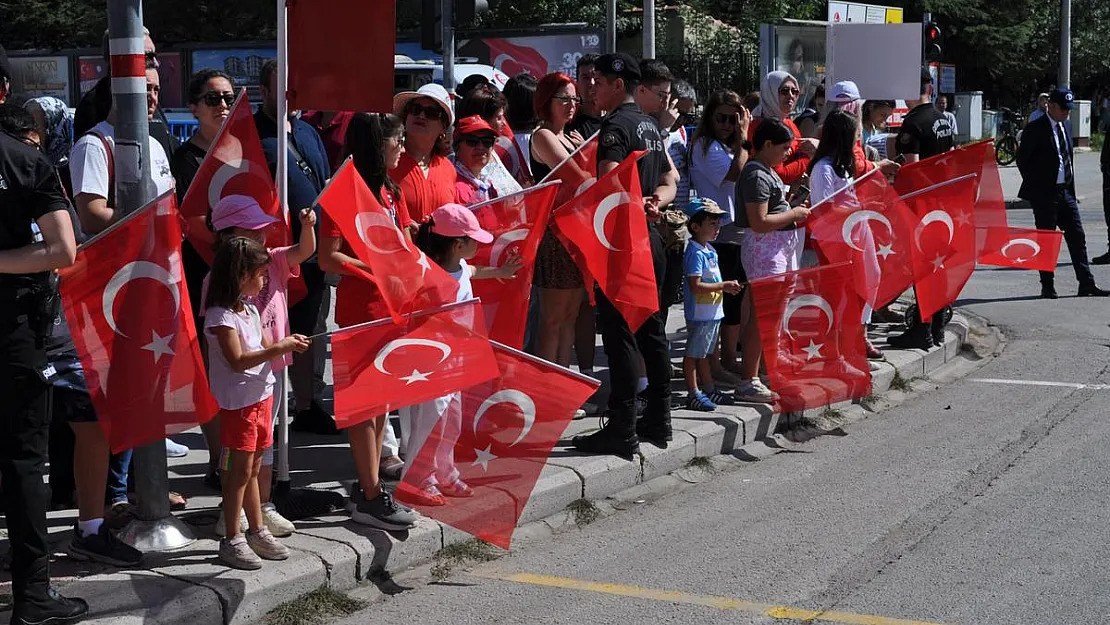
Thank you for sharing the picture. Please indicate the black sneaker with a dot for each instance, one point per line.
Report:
(919, 337)
(383, 512)
(609, 441)
(54, 610)
(314, 420)
(937, 328)
(1048, 292)
(1101, 260)
(103, 547)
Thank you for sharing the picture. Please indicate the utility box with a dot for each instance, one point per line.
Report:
(969, 116)
(1081, 123)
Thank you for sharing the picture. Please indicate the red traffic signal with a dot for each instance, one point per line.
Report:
(934, 42)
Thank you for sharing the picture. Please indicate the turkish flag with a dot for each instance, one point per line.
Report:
(380, 366)
(234, 165)
(501, 434)
(812, 333)
(514, 59)
(128, 311)
(333, 41)
(512, 157)
(607, 232)
(407, 278)
(945, 241)
(868, 225)
(990, 203)
(1026, 248)
(517, 222)
(576, 172)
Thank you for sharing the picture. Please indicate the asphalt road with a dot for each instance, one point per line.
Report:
(979, 503)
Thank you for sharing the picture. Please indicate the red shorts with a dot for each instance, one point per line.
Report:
(248, 429)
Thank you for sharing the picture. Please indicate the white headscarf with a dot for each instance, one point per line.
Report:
(769, 96)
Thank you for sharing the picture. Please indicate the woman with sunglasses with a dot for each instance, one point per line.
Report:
(210, 95)
(778, 97)
(426, 177)
(557, 276)
(488, 103)
(473, 140)
(718, 154)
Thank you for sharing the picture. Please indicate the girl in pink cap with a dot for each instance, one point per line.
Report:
(241, 216)
(449, 238)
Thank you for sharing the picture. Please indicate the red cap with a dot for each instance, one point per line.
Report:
(456, 220)
(473, 125)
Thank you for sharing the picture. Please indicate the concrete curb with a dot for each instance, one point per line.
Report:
(192, 588)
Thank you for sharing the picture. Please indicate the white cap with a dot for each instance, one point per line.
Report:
(844, 91)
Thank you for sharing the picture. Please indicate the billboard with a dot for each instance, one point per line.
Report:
(800, 51)
(242, 64)
(856, 13)
(536, 54)
(36, 76)
(90, 69)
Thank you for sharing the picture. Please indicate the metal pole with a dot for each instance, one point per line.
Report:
(154, 528)
(282, 184)
(1064, 77)
(447, 22)
(611, 26)
(649, 29)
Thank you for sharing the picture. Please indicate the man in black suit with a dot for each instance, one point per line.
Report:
(1048, 183)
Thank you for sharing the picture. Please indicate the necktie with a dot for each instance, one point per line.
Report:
(1065, 153)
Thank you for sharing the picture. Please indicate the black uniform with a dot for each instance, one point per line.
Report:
(29, 190)
(585, 125)
(925, 132)
(624, 131)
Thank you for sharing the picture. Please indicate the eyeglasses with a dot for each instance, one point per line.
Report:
(790, 91)
(431, 111)
(213, 98)
(721, 118)
(486, 142)
(567, 99)
(662, 95)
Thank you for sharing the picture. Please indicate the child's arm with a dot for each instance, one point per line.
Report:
(513, 263)
(240, 361)
(306, 247)
(732, 287)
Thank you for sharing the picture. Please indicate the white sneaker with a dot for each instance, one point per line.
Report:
(221, 525)
(753, 391)
(278, 525)
(176, 450)
(263, 543)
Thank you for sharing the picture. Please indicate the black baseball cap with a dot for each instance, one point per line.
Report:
(618, 64)
(1063, 97)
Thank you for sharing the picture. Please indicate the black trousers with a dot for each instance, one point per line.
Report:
(623, 349)
(25, 423)
(1106, 200)
(671, 282)
(1060, 210)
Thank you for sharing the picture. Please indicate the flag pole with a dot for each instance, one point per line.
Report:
(282, 184)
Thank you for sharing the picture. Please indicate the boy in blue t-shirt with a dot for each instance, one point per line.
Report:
(703, 292)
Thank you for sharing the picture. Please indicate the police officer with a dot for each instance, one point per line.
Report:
(29, 194)
(626, 129)
(925, 132)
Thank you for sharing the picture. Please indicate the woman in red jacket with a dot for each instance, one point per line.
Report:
(778, 97)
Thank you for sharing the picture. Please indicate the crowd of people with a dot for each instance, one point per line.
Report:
(725, 204)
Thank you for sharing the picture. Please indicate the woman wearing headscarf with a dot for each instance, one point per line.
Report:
(55, 127)
(777, 99)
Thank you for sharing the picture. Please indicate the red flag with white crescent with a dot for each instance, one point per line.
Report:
(499, 435)
(605, 230)
(1026, 248)
(128, 311)
(576, 172)
(944, 241)
(512, 157)
(812, 333)
(381, 366)
(517, 223)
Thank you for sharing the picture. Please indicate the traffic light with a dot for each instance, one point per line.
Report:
(934, 42)
(431, 25)
(466, 11)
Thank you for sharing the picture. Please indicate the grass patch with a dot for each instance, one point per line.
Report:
(1097, 139)
(584, 511)
(831, 413)
(457, 554)
(701, 463)
(899, 383)
(319, 606)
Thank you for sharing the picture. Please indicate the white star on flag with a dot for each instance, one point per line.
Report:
(159, 346)
(814, 350)
(424, 266)
(415, 376)
(884, 251)
(963, 219)
(938, 263)
(484, 457)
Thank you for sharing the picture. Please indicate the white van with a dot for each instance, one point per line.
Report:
(410, 75)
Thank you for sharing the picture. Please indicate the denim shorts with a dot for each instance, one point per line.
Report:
(70, 401)
(702, 339)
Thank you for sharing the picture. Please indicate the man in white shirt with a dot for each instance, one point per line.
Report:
(92, 166)
(942, 104)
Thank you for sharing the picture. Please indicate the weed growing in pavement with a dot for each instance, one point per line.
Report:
(701, 463)
(831, 413)
(584, 511)
(899, 383)
(457, 554)
(313, 608)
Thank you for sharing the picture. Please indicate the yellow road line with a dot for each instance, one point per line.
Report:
(720, 603)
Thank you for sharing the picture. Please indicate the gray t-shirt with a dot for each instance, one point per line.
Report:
(758, 184)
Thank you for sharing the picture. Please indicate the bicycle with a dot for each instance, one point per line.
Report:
(1009, 136)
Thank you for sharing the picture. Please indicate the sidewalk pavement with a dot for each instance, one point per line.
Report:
(191, 587)
(1088, 181)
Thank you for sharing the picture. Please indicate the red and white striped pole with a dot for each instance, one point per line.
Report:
(134, 186)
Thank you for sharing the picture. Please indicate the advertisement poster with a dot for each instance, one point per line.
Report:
(37, 76)
(536, 54)
(90, 69)
(800, 50)
(242, 64)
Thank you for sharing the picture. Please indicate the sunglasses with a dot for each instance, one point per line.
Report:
(152, 58)
(431, 111)
(789, 91)
(567, 99)
(721, 118)
(486, 142)
(213, 98)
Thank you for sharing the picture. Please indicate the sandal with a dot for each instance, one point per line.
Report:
(390, 468)
(458, 488)
(873, 352)
(428, 496)
(177, 501)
